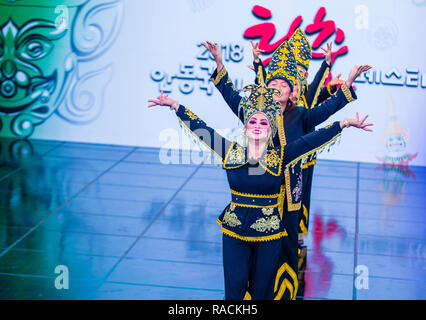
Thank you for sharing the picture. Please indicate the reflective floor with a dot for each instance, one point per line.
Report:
(126, 226)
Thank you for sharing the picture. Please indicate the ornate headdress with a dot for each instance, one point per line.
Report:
(261, 100)
(301, 48)
(282, 65)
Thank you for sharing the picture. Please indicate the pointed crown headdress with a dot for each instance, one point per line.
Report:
(282, 65)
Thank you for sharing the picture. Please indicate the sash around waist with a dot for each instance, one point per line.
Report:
(254, 200)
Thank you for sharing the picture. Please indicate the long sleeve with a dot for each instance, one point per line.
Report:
(202, 132)
(325, 93)
(309, 144)
(260, 71)
(314, 88)
(224, 84)
(324, 110)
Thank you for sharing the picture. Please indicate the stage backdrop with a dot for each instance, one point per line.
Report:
(83, 70)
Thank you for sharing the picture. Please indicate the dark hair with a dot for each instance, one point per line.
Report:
(289, 105)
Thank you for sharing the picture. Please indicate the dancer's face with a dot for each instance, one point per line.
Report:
(258, 127)
(303, 73)
(283, 87)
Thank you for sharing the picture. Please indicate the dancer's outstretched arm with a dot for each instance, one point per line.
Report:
(344, 95)
(315, 88)
(309, 144)
(222, 81)
(197, 127)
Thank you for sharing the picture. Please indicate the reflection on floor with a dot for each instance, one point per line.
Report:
(127, 226)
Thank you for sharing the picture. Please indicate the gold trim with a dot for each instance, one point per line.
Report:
(305, 102)
(280, 163)
(285, 267)
(290, 205)
(281, 198)
(305, 212)
(320, 85)
(226, 158)
(281, 131)
(281, 292)
(308, 164)
(347, 92)
(262, 238)
(313, 150)
(329, 89)
(254, 195)
(260, 74)
(219, 76)
(302, 228)
(302, 255)
(185, 127)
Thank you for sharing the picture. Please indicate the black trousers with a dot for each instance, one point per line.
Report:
(253, 263)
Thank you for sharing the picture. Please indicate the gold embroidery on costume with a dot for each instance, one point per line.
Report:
(266, 224)
(244, 238)
(230, 218)
(237, 155)
(347, 92)
(229, 81)
(219, 76)
(272, 162)
(272, 158)
(190, 114)
(281, 132)
(267, 211)
(200, 142)
(290, 205)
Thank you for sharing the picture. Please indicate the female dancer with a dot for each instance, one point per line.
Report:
(292, 124)
(251, 224)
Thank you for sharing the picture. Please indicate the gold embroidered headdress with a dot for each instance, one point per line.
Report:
(301, 48)
(282, 65)
(261, 100)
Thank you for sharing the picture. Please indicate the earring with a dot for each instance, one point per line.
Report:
(270, 141)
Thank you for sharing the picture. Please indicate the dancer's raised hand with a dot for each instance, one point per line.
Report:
(163, 100)
(256, 51)
(327, 53)
(356, 123)
(214, 49)
(355, 73)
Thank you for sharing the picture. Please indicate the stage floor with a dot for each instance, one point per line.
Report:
(128, 227)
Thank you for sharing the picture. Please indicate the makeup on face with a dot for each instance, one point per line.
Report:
(258, 126)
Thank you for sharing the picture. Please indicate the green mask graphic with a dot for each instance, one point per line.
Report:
(43, 45)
